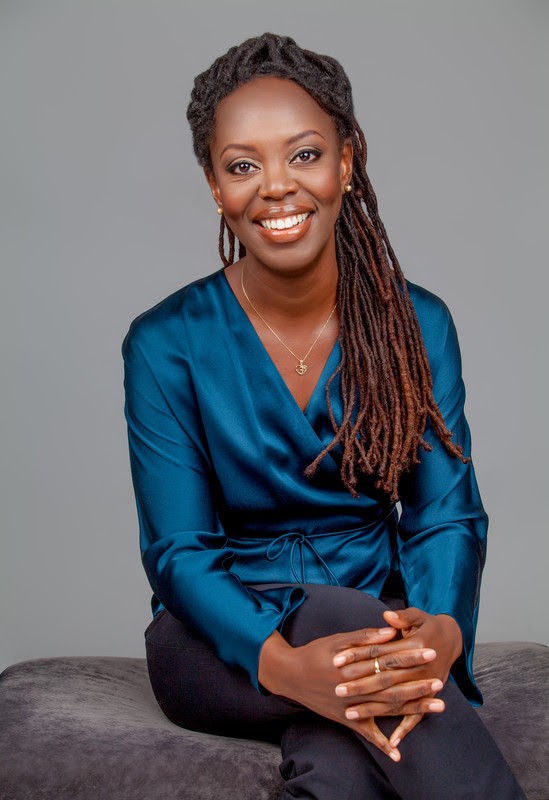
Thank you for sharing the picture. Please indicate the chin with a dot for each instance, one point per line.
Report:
(299, 256)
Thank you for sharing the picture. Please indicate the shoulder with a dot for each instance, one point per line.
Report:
(432, 312)
(167, 322)
(436, 325)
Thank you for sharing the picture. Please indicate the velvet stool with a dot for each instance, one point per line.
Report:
(89, 729)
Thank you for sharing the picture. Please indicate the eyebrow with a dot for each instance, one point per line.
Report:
(291, 140)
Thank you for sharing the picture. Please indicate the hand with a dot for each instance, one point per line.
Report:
(440, 634)
(411, 623)
(437, 631)
(309, 675)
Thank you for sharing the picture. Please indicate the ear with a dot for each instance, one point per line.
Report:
(346, 164)
(212, 183)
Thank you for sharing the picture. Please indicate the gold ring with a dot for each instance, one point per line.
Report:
(377, 668)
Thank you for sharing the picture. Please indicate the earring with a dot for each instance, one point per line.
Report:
(219, 210)
(348, 188)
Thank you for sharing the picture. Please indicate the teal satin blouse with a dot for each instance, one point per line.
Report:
(218, 447)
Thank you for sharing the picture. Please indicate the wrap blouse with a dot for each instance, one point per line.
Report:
(218, 447)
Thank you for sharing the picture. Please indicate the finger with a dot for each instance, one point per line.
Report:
(387, 709)
(396, 695)
(353, 654)
(407, 658)
(407, 698)
(361, 639)
(370, 731)
(392, 680)
(426, 705)
(404, 618)
(402, 659)
(407, 724)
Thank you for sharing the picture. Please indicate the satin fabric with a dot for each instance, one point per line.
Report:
(218, 447)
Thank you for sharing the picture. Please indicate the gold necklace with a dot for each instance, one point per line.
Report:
(302, 367)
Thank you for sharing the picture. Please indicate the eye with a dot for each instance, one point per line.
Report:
(306, 156)
(241, 168)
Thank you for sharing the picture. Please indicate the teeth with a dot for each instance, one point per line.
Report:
(286, 222)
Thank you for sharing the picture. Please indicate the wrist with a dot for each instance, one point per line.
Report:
(452, 634)
(273, 663)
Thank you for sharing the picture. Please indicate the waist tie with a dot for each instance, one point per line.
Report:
(298, 542)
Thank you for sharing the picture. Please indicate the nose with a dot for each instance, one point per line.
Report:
(277, 181)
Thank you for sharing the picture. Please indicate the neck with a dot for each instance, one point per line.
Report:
(290, 294)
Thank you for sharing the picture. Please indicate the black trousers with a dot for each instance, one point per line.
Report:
(447, 756)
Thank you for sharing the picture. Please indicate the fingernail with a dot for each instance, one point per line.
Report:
(429, 654)
(394, 756)
(351, 714)
(342, 691)
(436, 705)
(396, 743)
(339, 661)
(436, 686)
(385, 631)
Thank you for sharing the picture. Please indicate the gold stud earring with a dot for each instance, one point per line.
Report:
(348, 188)
(219, 210)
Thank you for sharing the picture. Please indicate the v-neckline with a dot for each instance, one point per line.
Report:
(260, 347)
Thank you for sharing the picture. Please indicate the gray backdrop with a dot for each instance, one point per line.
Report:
(104, 212)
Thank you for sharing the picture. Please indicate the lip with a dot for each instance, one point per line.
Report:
(280, 212)
(285, 235)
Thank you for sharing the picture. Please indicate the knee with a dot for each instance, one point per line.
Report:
(332, 609)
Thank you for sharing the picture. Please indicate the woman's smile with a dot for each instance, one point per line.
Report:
(286, 225)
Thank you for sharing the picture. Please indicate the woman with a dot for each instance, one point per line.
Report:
(277, 411)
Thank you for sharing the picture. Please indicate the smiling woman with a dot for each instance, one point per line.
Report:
(277, 411)
(289, 161)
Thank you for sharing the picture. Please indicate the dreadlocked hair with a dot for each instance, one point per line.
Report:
(386, 384)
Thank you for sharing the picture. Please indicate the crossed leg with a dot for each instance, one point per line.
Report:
(449, 755)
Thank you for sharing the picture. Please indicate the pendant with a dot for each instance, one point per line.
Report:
(301, 368)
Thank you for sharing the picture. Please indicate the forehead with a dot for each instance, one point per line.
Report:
(268, 107)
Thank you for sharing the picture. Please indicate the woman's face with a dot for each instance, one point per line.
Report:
(279, 171)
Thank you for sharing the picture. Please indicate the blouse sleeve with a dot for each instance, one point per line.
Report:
(182, 541)
(442, 529)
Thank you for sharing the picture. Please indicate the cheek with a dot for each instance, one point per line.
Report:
(327, 187)
(235, 198)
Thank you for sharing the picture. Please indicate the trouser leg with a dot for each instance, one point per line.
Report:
(326, 761)
(450, 755)
(198, 691)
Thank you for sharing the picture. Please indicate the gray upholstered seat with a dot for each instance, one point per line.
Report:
(90, 729)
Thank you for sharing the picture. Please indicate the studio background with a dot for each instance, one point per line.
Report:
(104, 211)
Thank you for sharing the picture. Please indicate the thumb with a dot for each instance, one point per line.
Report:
(403, 618)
